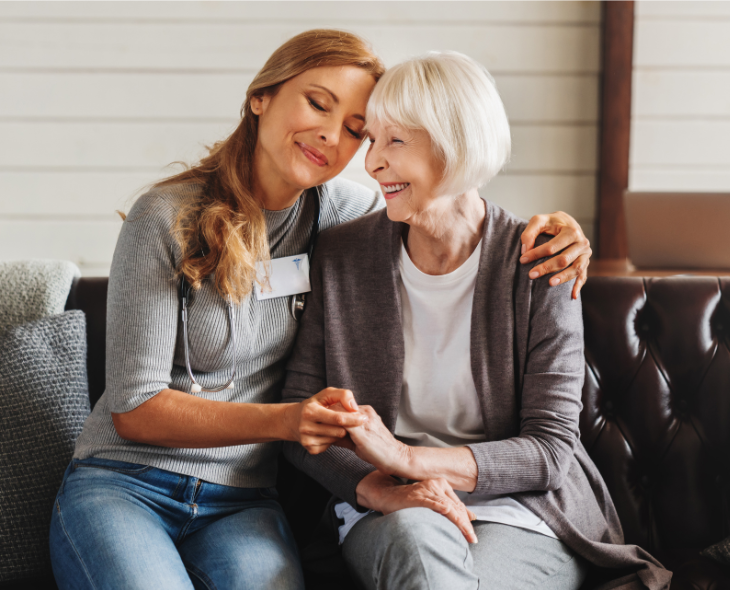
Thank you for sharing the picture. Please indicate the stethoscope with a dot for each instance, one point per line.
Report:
(297, 304)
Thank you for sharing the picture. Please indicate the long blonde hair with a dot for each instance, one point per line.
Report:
(224, 231)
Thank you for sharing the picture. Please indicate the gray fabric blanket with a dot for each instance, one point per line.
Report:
(33, 289)
(527, 364)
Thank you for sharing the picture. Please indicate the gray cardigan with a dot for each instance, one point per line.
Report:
(528, 368)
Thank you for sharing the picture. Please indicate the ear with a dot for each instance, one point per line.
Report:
(259, 104)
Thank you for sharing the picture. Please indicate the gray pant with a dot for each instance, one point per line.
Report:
(419, 549)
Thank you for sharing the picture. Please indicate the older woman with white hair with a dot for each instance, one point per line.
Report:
(469, 471)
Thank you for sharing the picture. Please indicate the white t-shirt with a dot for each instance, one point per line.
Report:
(439, 406)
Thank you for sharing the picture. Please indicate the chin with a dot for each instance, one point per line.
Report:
(393, 211)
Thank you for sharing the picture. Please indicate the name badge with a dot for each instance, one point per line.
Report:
(286, 276)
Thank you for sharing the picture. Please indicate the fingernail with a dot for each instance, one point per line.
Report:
(523, 259)
(554, 281)
(534, 274)
(524, 248)
(353, 404)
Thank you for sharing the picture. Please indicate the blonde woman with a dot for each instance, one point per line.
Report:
(172, 480)
(469, 471)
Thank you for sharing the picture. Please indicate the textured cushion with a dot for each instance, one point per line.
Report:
(33, 289)
(43, 403)
(719, 552)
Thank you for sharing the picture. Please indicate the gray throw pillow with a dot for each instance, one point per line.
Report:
(719, 551)
(44, 401)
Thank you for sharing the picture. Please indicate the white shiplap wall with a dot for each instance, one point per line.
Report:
(96, 98)
(680, 132)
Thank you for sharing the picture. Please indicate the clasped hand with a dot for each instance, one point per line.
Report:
(361, 430)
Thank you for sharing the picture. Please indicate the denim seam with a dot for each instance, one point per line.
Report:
(202, 576)
(115, 469)
(73, 546)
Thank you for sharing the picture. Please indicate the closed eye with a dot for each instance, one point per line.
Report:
(355, 134)
(315, 104)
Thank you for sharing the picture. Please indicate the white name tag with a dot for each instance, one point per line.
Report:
(286, 276)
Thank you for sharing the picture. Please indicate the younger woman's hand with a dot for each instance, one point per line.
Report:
(382, 493)
(316, 424)
(569, 238)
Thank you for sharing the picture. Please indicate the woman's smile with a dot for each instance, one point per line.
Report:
(393, 189)
(312, 154)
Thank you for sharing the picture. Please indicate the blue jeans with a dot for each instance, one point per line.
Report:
(122, 525)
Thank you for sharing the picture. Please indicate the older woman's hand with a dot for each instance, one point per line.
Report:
(569, 237)
(382, 493)
(374, 443)
(320, 421)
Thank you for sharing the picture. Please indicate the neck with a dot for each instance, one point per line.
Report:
(269, 188)
(442, 238)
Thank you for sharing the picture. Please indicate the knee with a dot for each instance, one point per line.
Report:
(414, 529)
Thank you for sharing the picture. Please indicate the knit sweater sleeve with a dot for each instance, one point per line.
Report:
(142, 305)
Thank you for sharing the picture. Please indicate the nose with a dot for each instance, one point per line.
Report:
(330, 133)
(374, 160)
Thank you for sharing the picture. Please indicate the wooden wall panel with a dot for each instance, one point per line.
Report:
(309, 13)
(98, 98)
(244, 47)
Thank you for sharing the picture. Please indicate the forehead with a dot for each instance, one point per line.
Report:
(349, 80)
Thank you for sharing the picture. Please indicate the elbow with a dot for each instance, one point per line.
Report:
(125, 425)
(560, 459)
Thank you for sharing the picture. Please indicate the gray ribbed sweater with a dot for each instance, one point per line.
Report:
(144, 335)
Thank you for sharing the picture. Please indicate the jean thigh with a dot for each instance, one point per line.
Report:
(251, 549)
(107, 535)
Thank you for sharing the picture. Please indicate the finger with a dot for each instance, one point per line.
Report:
(318, 445)
(345, 420)
(534, 228)
(472, 516)
(576, 269)
(458, 515)
(332, 396)
(566, 237)
(322, 430)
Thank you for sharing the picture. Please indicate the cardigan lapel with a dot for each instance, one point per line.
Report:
(492, 330)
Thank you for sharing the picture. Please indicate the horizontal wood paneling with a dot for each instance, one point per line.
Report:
(681, 143)
(83, 242)
(312, 13)
(681, 94)
(528, 98)
(682, 43)
(681, 9)
(131, 145)
(245, 47)
(97, 98)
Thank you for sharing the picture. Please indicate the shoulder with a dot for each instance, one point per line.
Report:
(350, 200)
(357, 232)
(161, 205)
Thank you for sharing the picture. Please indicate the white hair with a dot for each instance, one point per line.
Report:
(453, 99)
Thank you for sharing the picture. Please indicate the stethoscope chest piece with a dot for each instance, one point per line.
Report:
(297, 305)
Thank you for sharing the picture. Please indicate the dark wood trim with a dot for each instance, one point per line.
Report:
(618, 46)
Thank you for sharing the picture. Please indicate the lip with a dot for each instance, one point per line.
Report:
(388, 196)
(312, 154)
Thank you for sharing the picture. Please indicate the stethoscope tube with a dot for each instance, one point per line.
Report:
(296, 308)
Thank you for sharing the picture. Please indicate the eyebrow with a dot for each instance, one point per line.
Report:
(337, 100)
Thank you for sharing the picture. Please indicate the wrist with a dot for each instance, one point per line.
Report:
(372, 488)
(286, 421)
(406, 464)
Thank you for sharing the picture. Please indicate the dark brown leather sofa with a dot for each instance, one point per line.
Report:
(656, 416)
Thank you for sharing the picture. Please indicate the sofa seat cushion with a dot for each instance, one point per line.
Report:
(44, 401)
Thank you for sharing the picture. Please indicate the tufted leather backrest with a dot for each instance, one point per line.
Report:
(656, 416)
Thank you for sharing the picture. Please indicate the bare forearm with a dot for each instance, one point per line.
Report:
(180, 420)
(456, 465)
